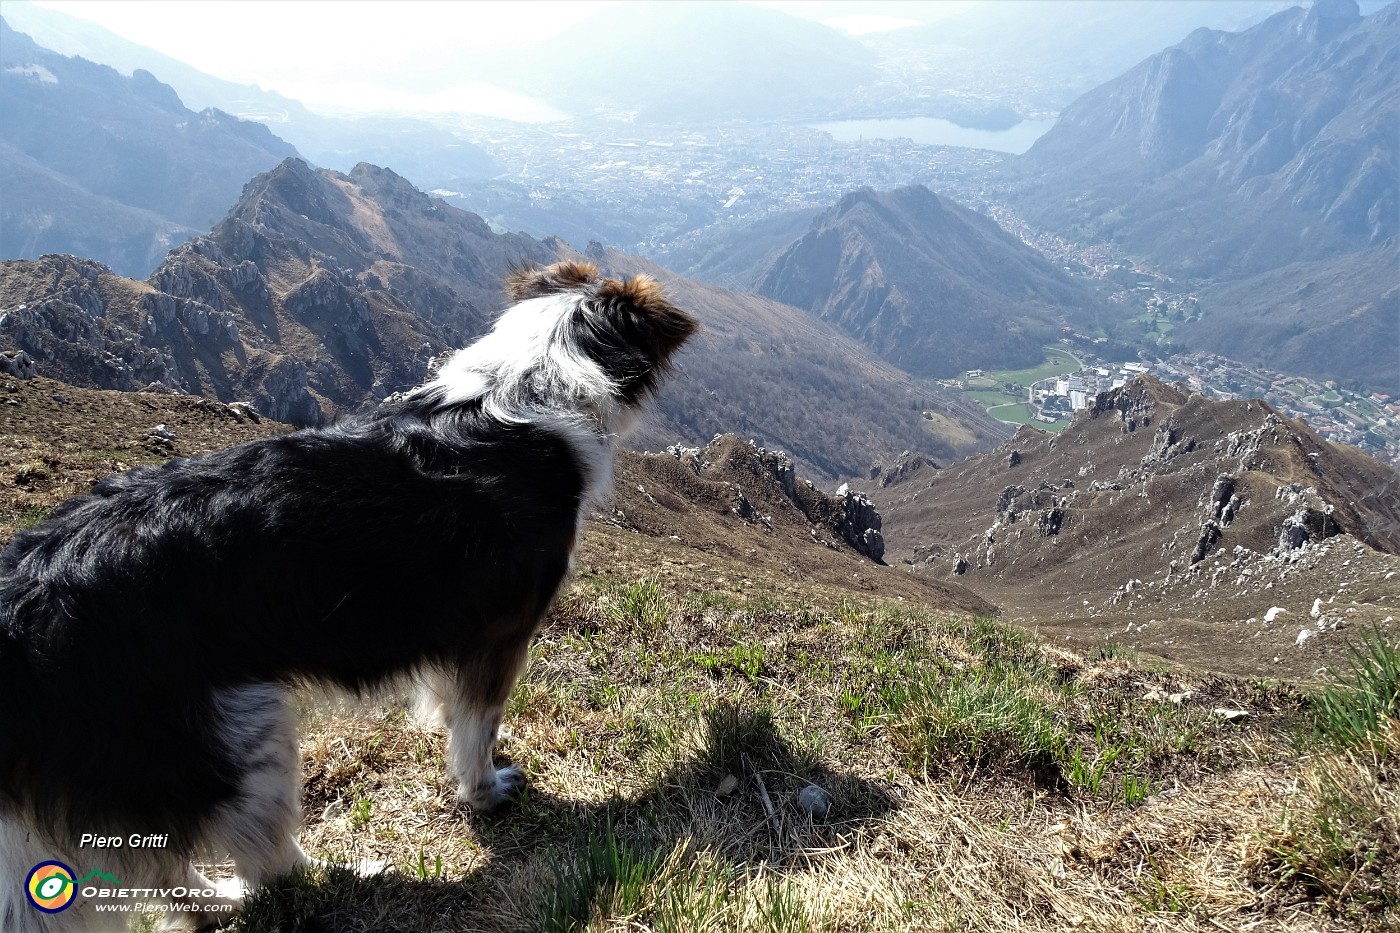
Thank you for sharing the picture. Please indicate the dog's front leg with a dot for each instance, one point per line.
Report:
(470, 742)
(475, 699)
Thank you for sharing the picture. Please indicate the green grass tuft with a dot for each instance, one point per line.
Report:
(987, 714)
(641, 606)
(1349, 712)
(604, 879)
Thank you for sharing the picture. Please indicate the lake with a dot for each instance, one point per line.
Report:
(931, 131)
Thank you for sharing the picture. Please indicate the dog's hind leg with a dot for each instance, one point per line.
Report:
(207, 904)
(473, 702)
(258, 826)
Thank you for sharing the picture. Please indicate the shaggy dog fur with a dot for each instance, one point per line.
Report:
(150, 632)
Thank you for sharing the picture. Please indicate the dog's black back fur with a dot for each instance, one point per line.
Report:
(427, 535)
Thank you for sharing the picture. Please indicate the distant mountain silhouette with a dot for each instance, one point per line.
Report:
(322, 292)
(931, 286)
(1295, 119)
(43, 211)
(86, 151)
(426, 154)
(689, 60)
(1051, 51)
(1235, 156)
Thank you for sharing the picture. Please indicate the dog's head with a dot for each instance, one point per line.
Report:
(572, 340)
(628, 328)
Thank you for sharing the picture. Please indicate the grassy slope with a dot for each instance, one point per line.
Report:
(682, 695)
(980, 780)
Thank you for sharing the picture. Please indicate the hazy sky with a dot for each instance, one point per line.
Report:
(325, 53)
(434, 56)
(322, 53)
(343, 53)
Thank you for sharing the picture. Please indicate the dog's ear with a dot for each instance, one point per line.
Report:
(659, 326)
(525, 282)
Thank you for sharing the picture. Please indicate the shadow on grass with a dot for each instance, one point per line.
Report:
(729, 808)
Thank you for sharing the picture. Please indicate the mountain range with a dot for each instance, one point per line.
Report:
(321, 292)
(931, 286)
(416, 148)
(1244, 164)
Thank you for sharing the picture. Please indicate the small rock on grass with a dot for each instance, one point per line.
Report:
(814, 801)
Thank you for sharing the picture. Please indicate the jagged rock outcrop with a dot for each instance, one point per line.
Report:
(1133, 404)
(758, 486)
(1313, 520)
(1168, 442)
(905, 466)
(17, 363)
(860, 523)
(1049, 522)
(1007, 500)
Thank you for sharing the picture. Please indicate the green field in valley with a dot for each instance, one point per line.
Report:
(987, 389)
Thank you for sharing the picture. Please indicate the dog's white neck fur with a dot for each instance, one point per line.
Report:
(529, 369)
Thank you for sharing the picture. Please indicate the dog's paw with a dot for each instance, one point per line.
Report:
(369, 867)
(492, 792)
(365, 867)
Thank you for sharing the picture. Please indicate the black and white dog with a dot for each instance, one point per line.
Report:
(150, 632)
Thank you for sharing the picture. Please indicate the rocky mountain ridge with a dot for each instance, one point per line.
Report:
(774, 489)
(1159, 513)
(299, 301)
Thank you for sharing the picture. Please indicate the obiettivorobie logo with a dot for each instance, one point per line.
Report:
(52, 886)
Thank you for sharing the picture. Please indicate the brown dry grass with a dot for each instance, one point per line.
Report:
(667, 732)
